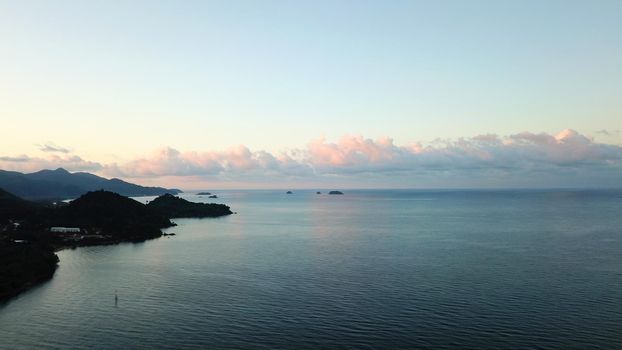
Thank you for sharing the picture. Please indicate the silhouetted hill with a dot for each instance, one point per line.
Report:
(61, 184)
(13, 207)
(113, 214)
(27, 243)
(9, 198)
(24, 265)
(175, 207)
(21, 265)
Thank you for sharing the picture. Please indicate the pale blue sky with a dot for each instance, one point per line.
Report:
(115, 80)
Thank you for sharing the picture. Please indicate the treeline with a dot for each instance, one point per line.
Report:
(107, 213)
(175, 207)
(24, 265)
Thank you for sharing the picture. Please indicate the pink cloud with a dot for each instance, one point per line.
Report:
(355, 154)
(522, 154)
(234, 161)
(524, 150)
(351, 150)
(168, 161)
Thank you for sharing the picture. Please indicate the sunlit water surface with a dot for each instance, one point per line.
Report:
(369, 269)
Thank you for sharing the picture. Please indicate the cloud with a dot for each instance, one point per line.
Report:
(30, 164)
(527, 158)
(26, 163)
(608, 132)
(352, 151)
(519, 151)
(167, 161)
(356, 154)
(236, 161)
(18, 159)
(52, 148)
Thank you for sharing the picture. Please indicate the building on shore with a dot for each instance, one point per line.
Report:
(65, 229)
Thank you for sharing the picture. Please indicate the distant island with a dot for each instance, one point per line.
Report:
(204, 194)
(61, 184)
(30, 232)
(335, 192)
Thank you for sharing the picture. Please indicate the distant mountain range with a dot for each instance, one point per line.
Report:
(61, 184)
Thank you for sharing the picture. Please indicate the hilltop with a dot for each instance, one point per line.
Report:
(13, 207)
(61, 184)
(109, 213)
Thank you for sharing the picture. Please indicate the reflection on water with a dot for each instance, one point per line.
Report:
(377, 269)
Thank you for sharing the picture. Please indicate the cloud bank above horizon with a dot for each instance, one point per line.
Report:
(520, 160)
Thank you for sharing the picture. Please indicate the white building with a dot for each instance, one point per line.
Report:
(64, 229)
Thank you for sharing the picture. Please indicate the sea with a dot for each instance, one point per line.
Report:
(369, 269)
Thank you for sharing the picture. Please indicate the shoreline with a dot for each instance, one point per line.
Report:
(28, 243)
(6, 299)
(61, 247)
(41, 279)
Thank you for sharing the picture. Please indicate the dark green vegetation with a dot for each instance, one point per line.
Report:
(13, 207)
(23, 265)
(175, 207)
(335, 192)
(111, 214)
(27, 244)
(61, 184)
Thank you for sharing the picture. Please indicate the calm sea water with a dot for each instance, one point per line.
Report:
(370, 269)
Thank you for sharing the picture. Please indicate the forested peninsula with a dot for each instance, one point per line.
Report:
(31, 232)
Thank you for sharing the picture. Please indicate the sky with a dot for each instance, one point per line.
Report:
(273, 94)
